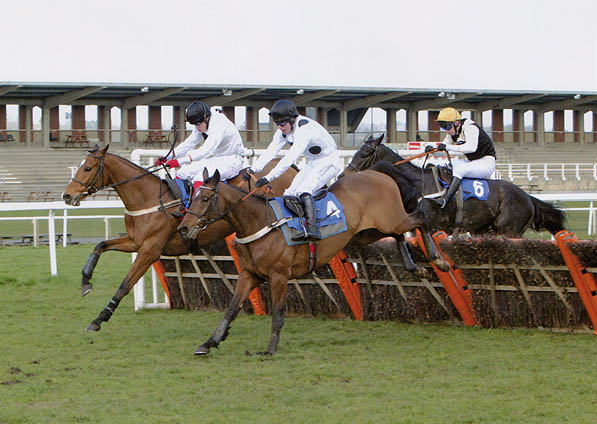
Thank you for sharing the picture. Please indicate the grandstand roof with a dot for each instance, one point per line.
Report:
(127, 95)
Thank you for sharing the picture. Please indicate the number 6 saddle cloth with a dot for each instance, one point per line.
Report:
(330, 216)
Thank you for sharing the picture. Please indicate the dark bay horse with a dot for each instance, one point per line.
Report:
(150, 232)
(508, 211)
(373, 209)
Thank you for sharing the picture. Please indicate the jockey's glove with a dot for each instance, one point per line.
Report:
(261, 182)
(160, 161)
(428, 149)
(441, 147)
(172, 163)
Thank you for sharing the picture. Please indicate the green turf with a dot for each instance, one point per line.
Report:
(140, 367)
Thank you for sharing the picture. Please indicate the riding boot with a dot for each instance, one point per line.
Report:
(450, 191)
(311, 216)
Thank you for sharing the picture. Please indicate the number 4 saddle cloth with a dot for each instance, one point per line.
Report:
(330, 217)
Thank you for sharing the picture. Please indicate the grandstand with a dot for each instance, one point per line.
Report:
(40, 174)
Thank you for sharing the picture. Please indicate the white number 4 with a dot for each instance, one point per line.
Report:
(331, 209)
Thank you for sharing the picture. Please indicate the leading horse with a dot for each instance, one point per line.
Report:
(508, 211)
(150, 224)
(373, 209)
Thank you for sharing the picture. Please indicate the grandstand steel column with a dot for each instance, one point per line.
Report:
(391, 124)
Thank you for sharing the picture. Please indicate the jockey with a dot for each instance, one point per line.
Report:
(305, 137)
(222, 147)
(467, 137)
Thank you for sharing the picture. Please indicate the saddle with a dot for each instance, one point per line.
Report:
(294, 205)
(181, 189)
(330, 215)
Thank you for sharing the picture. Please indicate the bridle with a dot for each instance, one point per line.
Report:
(371, 157)
(99, 174)
(202, 222)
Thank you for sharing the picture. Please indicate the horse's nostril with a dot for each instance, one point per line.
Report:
(66, 197)
(183, 231)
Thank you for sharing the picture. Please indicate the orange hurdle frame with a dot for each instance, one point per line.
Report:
(347, 280)
(453, 281)
(583, 280)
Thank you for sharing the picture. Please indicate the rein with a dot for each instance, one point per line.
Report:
(91, 187)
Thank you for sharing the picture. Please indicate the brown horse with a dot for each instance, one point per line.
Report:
(373, 210)
(150, 231)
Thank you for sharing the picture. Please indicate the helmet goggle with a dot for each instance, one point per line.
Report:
(446, 126)
(282, 122)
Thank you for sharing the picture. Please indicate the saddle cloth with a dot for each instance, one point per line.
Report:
(473, 188)
(330, 217)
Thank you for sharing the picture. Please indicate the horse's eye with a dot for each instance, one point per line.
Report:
(205, 199)
(88, 169)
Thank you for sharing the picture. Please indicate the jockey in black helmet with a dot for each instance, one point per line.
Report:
(222, 147)
(307, 138)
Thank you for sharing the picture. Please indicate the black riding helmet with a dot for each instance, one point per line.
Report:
(197, 112)
(283, 110)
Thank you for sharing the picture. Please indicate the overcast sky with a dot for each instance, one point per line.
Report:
(497, 45)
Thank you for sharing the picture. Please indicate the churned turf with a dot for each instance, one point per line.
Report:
(140, 367)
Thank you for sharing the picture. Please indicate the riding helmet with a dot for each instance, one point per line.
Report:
(448, 114)
(283, 109)
(197, 112)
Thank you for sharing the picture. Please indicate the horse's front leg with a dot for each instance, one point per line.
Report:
(145, 257)
(407, 260)
(279, 287)
(245, 283)
(433, 254)
(121, 244)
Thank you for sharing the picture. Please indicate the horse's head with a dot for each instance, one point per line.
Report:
(365, 157)
(204, 208)
(88, 179)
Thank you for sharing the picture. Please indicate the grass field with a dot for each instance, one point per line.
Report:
(140, 367)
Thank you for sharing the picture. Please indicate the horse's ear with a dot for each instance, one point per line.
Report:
(104, 150)
(216, 176)
(379, 140)
(205, 174)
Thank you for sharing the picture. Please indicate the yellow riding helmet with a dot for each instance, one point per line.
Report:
(448, 114)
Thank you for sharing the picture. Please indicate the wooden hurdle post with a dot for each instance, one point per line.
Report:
(453, 281)
(255, 295)
(583, 280)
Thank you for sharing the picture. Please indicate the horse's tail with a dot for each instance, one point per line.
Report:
(408, 191)
(547, 217)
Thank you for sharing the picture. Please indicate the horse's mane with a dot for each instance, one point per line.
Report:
(256, 195)
(407, 170)
(132, 165)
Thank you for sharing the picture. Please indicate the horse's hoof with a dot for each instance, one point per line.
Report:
(201, 350)
(421, 272)
(443, 266)
(85, 288)
(93, 327)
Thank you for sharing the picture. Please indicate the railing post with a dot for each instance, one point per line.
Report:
(563, 173)
(107, 228)
(64, 228)
(35, 243)
(52, 242)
